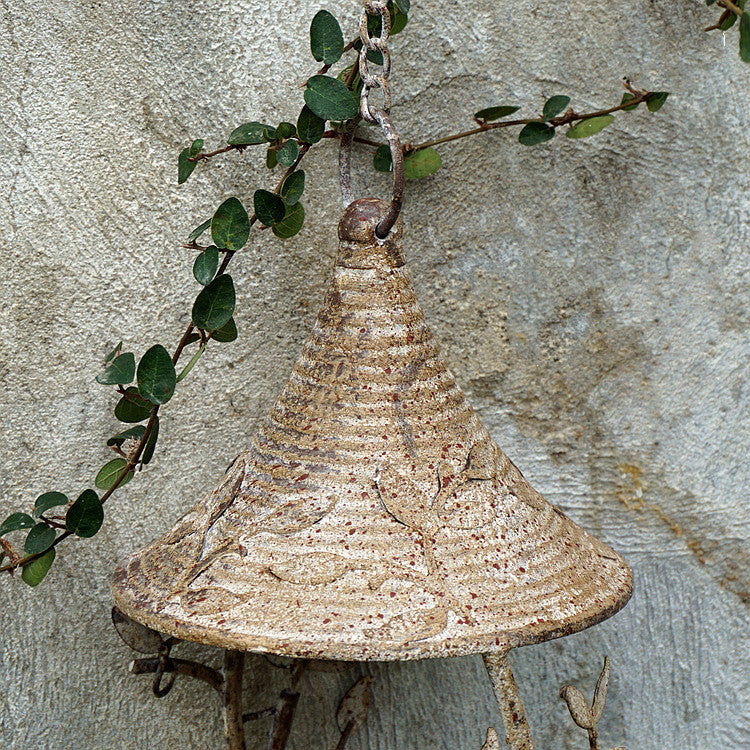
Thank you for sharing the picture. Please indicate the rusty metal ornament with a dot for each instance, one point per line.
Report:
(372, 516)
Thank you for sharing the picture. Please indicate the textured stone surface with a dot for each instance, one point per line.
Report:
(591, 298)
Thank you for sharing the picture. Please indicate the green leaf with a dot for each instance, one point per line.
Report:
(110, 473)
(495, 113)
(33, 572)
(196, 146)
(288, 153)
(192, 338)
(185, 167)
(285, 130)
(402, 5)
(554, 105)
(291, 223)
(16, 521)
(132, 407)
(310, 127)
(534, 133)
(398, 21)
(657, 99)
(198, 231)
(269, 134)
(269, 207)
(744, 38)
(215, 304)
(120, 372)
(225, 334)
(39, 539)
(728, 22)
(205, 265)
(113, 354)
(129, 434)
(230, 225)
(326, 38)
(156, 376)
(148, 449)
(590, 126)
(627, 97)
(293, 187)
(49, 500)
(84, 518)
(383, 161)
(189, 366)
(421, 163)
(330, 99)
(271, 160)
(248, 134)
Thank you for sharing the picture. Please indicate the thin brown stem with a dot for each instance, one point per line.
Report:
(346, 733)
(287, 705)
(729, 5)
(179, 666)
(206, 155)
(234, 729)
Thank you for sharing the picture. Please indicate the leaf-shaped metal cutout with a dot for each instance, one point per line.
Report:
(471, 506)
(137, 636)
(415, 625)
(355, 704)
(492, 742)
(578, 707)
(481, 463)
(310, 569)
(600, 692)
(401, 497)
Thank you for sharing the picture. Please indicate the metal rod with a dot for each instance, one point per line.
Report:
(397, 157)
(232, 693)
(517, 731)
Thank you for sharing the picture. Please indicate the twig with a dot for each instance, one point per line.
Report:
(346, 733)
(287, 705)
(234, 729)
(206, 155)
(179, 666)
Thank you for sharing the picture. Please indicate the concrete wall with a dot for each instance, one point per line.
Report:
(591, 296)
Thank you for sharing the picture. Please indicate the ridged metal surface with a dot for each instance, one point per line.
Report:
(372, 517)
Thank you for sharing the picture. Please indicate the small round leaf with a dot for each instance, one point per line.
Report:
(230, 225)
(185, 167)
(198, 231)
(215, 304)
(590, 126)
(288, 153)
(293, 187)
(495, 113)
(534, 133)
(291, 223)
(269, 207)
(227, 333)
(84, 518)
(33, 572)
(120, 372)
(205, 265)
(16, 521)
(310, 127)
(421, 163)
(49, 500)
(554, 105)
(383, 161)
(132, 407)
(326, 39)
(111, 472)
(156, 375)
(39, 539)
(248, 134)
(330, 99)
(657, 99)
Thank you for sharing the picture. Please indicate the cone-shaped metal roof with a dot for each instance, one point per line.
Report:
(372, 517)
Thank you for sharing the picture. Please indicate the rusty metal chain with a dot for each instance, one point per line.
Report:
(373, 114)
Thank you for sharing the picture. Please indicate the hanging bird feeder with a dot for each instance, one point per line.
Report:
(373, 517)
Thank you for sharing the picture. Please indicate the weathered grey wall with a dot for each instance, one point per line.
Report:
(592, 298)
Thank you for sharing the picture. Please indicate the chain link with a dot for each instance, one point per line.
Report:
(370, 80)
